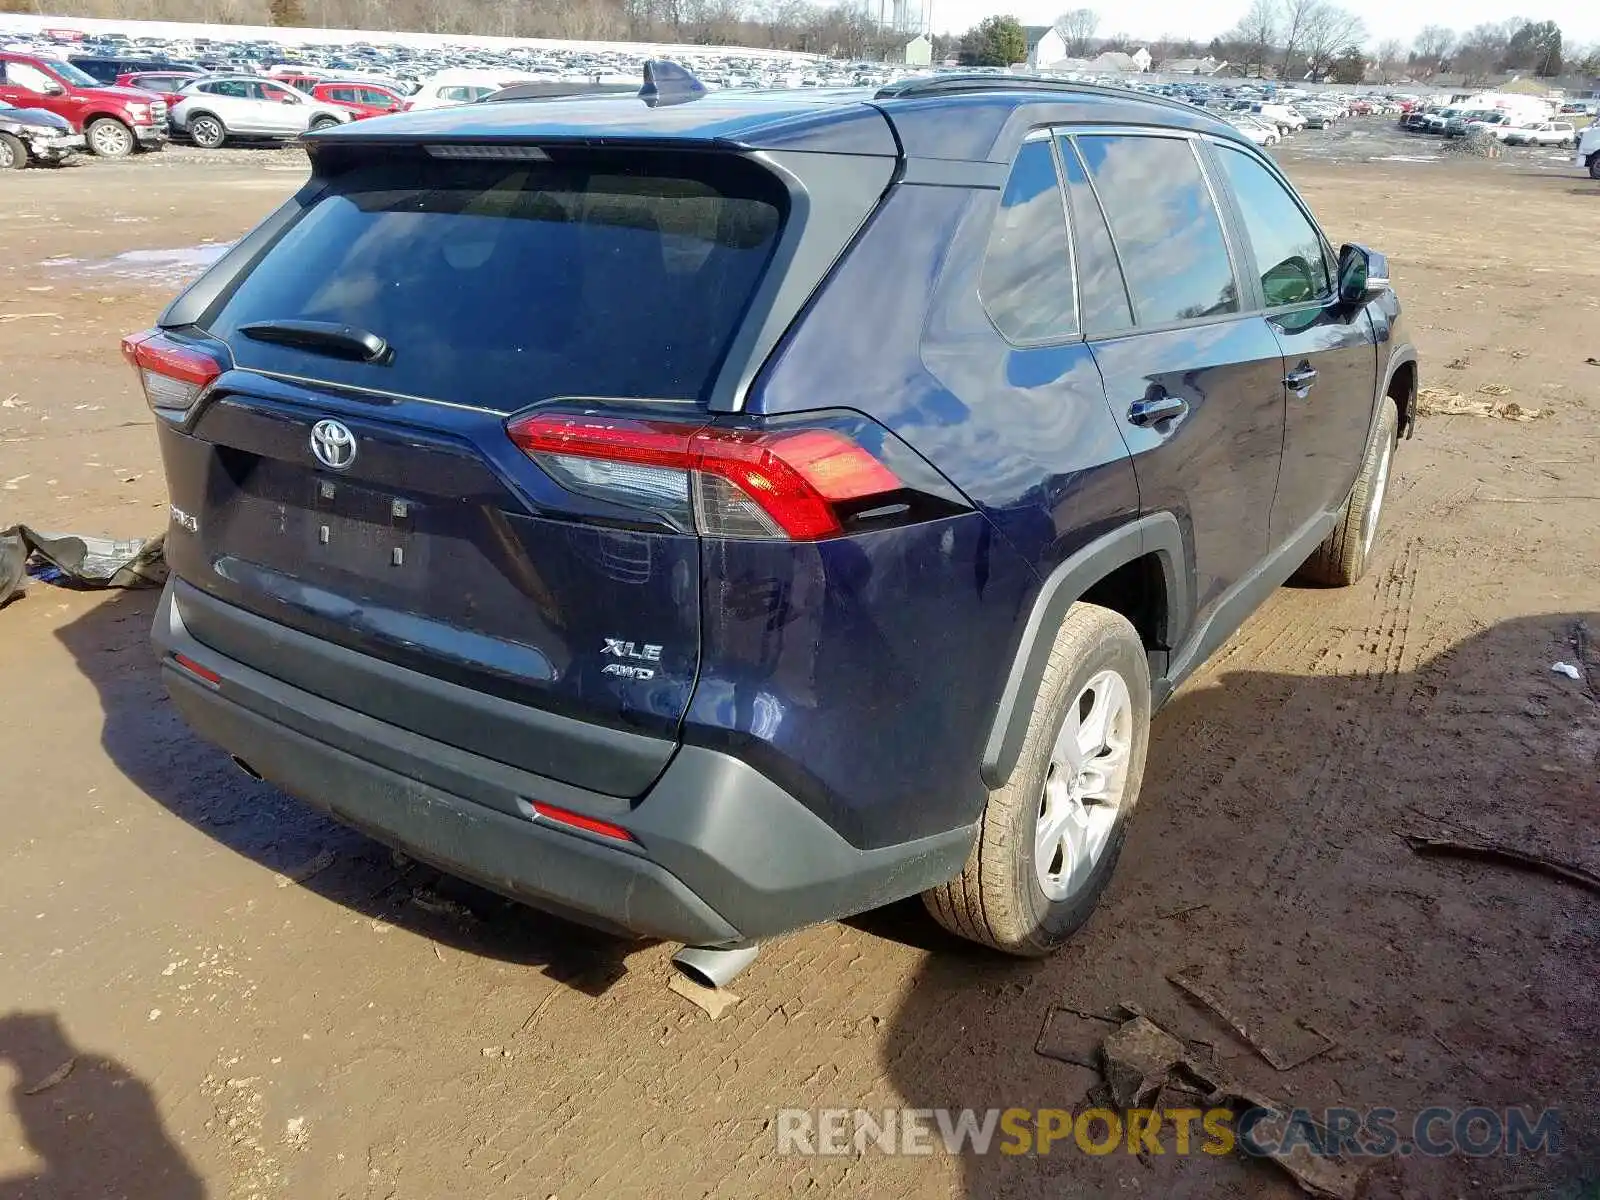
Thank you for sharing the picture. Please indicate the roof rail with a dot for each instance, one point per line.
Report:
(958, 83)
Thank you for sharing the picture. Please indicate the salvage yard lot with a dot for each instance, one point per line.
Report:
(260, 1003)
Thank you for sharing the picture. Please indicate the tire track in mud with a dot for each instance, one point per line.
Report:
(1326, 805)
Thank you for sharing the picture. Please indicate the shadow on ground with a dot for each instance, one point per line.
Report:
(1267, 856)
(149, 743)
(92, 1124)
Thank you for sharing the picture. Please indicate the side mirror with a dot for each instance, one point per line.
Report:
(1363, 274)
(52, 88)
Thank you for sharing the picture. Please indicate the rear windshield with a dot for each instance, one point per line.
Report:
(500, 284)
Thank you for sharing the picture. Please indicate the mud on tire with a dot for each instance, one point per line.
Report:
(1345, 554)
(999, 899)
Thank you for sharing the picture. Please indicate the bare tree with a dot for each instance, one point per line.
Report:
(1256, 33)
(1391, 58)
(1326, 30)
(1296, 15)
(1433, 47)
(1481, 51)
(1077, 29)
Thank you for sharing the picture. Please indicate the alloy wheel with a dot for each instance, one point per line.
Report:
(1084, 787)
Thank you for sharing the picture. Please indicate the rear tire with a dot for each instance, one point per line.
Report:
(322, 123)
(13, 154)
(1049, 839)
(207, 132)
(1594, 166)
(110, 138)
(1345, 554)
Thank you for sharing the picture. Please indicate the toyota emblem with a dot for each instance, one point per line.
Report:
(333, 444)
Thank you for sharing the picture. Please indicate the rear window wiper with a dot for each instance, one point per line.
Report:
(325, 337)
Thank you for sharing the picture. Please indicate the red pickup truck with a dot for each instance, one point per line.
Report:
(115, 120)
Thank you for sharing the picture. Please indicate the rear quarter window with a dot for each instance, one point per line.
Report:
(1026, 282)
(499, 284)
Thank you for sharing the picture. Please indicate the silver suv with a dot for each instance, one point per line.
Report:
(213, 109)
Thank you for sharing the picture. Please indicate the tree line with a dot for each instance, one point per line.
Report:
(1289, 39)
(1299, 39)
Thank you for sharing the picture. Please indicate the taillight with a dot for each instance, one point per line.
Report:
(717, 481)
(174, 376)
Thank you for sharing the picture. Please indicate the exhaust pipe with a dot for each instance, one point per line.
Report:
(246, 767)
(714, 966)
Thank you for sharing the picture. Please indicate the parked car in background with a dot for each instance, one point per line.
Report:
(1464, 123)
(1287, 119)
(213, 109)
(1318, 117)
(543, 506)
(1588, 155)
(359, 99)
(460, 87)
(1434, 122)
(301, 81)
(115, 121)
(106, 70)
(166, 84)
(1544, 133)
(1262, 133)
(30, 135)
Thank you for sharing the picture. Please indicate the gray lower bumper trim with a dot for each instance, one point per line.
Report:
(723, 854)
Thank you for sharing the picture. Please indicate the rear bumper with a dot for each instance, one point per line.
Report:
(721, 853)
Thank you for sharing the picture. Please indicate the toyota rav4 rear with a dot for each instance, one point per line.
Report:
(707, 518)
(472, 547)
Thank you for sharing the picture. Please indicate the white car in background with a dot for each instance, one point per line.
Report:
(1541, 133)
(1588, 156)
(1262, 133)
(461, 86)
(1282, 115)
(215, 108)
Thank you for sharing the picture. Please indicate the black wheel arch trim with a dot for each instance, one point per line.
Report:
(1156, 533)
(1403, 355)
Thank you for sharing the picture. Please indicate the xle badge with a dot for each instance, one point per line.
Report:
(635, 655)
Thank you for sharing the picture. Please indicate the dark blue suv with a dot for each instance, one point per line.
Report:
(703, 519)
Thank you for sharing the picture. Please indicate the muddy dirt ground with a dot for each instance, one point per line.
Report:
(375, 1031)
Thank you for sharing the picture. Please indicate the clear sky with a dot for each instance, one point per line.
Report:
(1203, 19)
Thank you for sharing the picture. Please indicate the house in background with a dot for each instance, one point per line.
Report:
(1116, 60)
(919, 51)
(1045, 46)
(1192, 66)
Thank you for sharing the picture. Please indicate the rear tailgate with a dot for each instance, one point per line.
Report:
(412, 529)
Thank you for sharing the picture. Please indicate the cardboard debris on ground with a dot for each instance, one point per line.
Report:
(1184, 981)
(713, 1001)
(1442, 402)
(1141, 1058)
(1139, 1055)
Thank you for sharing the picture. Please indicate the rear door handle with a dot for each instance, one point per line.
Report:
(1301, 378)
(1161, 407)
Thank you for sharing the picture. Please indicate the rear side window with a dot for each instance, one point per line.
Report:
(1102, 296)
(1026, 284)
(1288, 249)
(1167, 231)
(500, 284)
